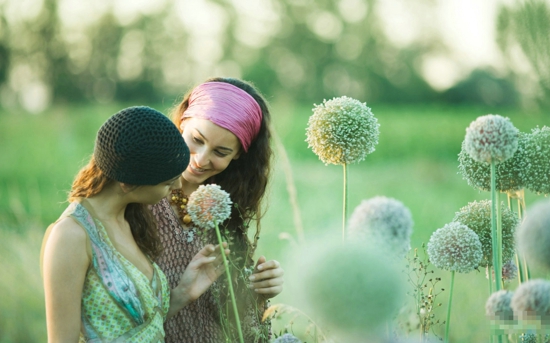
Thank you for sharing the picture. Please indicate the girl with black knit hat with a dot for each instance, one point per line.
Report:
(225, 123)
(100, 279)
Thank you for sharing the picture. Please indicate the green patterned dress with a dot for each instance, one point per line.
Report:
(119, 303)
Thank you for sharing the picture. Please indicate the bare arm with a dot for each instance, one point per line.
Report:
(66, 258)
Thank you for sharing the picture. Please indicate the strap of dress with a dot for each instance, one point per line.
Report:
(108, 266)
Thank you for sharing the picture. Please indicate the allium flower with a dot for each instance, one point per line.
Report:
(477, 216)
(533, 338)
(353, 291)
(455, 247)
(533, 235)
(383, 220)
(342, 131)
(287, 338)
(537, 150)
(509, 271)
(510, 174)
(209, 205)
(498, 306)
(491, 138)
(531, 300)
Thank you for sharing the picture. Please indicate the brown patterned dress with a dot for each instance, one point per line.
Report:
(199, 322)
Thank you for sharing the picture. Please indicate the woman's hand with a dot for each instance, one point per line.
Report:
(267, 278)
(205, 268)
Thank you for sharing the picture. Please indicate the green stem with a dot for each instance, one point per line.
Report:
(497, 256)
(499, 239)
(447, 323)
(519, 263)
(345, 200)
(490, 277)
(231, 292)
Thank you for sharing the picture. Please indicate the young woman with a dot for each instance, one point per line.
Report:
(224, 122)
(100, 281)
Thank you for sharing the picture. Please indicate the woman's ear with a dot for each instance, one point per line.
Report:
(126, 188)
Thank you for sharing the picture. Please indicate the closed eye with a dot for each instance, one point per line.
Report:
(219, 153)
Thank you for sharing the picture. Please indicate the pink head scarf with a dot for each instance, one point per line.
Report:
(227, 106)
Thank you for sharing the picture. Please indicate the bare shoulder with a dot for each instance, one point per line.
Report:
(68, 231)
(66, 239)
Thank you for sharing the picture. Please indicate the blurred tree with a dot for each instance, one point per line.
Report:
(527, 24)
(303, 50)
(326, 51)
(484, 88)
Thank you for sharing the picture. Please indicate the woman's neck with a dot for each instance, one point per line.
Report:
(188, 187)
(109, 203)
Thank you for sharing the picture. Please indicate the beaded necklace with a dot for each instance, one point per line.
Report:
(180, 201)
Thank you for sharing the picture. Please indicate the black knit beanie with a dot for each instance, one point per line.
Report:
(140, 146)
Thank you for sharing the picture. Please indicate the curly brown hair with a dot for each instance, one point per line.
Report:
(246, 178)
(90, 180)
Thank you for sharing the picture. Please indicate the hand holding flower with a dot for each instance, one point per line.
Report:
(197, 277)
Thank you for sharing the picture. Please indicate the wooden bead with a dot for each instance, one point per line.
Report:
(186, 219)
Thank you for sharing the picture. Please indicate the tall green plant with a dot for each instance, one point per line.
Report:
(342, 131)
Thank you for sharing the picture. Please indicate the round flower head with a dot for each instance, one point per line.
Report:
(498, 306)
(509, 271)
(510, 174)
(455, 247)
(352, 289)
(491, 138)
(537, 150)
(383, 220)
(342, 131)
(533, 235)
(477, 216)
(531, 300)
(209, 205)
(287, 338)
(529, 338)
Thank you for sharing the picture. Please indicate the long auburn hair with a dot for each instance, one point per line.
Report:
(246, 178)
(90, 180)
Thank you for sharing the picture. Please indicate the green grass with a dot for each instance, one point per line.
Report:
(414, 162)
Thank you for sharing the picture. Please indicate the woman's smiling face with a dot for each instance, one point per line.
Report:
(212, 148)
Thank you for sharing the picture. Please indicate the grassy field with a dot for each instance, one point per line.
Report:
(414, 162)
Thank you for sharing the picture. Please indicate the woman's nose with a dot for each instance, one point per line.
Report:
(202, 158)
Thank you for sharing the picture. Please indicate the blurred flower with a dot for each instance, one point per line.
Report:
(342, 131)
(533, 235)
(532, 338)
(510, 174)
(498, 306)
(537, 150)
(531, 300)
(209, 205)
(455, 247)
(383, 220)
(287, 338)
(491, 138)
(509, 271)
(477, 216)
(352, 291)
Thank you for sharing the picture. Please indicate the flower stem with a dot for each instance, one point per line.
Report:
(490, 277)
(499, 239)
(497, 249)
(345, 205)
(447, 323)
(232, 293)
